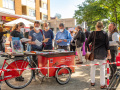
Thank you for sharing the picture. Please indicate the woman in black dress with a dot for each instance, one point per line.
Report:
(101, 51)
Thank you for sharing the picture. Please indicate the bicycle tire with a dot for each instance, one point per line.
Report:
(23, 86)
(117, 82)
(58, 73)
(112, 82)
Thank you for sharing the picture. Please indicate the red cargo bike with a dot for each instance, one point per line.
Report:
(45, 59)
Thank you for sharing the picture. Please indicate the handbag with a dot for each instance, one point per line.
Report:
(90, 55)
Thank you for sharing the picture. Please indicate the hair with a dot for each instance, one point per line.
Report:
(79, 27)
(36, 22)
(1, 29)
(115, 30)
(15, 27)
(99, 24)
(21, 24)
(31, 27)
(61, 25)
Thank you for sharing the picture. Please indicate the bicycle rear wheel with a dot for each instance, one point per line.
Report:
(27, 75)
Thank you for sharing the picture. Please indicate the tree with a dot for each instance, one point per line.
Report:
(58, 15)
(92, 11)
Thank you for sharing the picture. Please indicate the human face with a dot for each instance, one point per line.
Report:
(77, 29)
(36, 25)
(111, 27)
(21, 28)
(85, 30)
(61, 28)
(45, 26)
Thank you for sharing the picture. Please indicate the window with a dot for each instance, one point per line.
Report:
(45, 17)
(8, 4)
(32, 12)
(32, 1)
(40, 15)
(44, 6)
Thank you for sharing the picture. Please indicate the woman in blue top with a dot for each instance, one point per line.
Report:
(36, 36)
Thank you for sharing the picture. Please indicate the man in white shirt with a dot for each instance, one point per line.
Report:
(113, 39)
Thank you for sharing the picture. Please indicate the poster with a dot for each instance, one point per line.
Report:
(16, 45)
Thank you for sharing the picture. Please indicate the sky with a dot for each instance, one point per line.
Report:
(64, 7)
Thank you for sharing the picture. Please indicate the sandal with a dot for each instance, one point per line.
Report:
(92, 84)
(78, 60)
(103, 87)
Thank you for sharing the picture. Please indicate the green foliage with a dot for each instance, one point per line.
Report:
(92, 11)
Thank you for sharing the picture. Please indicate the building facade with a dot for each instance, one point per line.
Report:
(28, 9)
(68, 23)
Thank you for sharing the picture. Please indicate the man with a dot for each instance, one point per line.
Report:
(87, 33)
(79, 43)
(48, 34)
(63, 37)
(27, 32)
(113, 38)
(36, 36)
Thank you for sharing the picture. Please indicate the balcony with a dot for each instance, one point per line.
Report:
(28, 3)
(44, 1)
(24, 2)
(43, 10)
(8, 11)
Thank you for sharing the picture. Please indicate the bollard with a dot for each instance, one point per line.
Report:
(108, 73)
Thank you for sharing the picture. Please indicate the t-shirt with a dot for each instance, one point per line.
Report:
(15, 33)
(49, 34)
(36, 36)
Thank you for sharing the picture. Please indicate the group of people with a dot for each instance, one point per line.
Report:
(104, 44)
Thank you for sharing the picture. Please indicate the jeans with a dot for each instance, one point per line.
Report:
(79, 54)
(63, 47)
(72, 48)
(102, 71)
(113, 67)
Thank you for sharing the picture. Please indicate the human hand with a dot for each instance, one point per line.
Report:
(46, 40)
(65, 40)
(59, 41)
(109, 56)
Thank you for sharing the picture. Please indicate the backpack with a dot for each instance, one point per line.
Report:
(82, 36)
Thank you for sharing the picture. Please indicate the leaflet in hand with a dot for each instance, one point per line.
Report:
(25, 40)
(38, 43)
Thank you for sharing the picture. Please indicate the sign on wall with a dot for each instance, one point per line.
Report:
(4, 18)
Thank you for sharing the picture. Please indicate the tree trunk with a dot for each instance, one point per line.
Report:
(119, 26)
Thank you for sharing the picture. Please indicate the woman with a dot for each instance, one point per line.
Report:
(101, 51)
(36, 36)
(2, 48)
(17, 33)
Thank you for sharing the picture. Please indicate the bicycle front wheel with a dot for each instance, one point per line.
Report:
(21, 81)
(63, 75)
